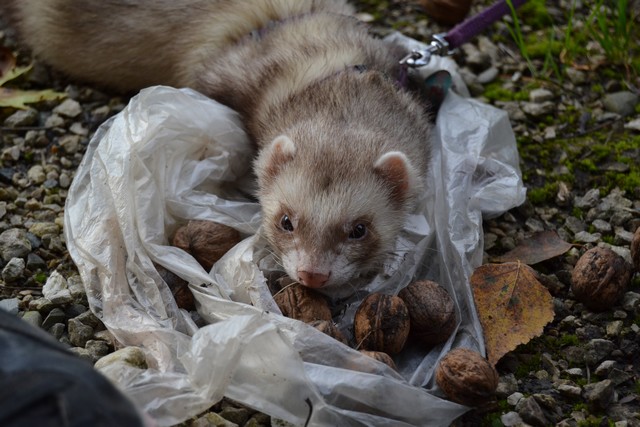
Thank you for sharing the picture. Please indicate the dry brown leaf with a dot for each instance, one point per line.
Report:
(512, 305)
(539, 247)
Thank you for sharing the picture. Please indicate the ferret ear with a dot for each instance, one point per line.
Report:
(396, 169)
(279, 152)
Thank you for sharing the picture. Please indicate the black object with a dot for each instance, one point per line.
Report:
(43, 384)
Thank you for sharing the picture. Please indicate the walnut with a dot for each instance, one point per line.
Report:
(635, 250)
(431, 310)
(179, 288)
(381, 357)
(466, 377)
(206, 241)
(381, 323)
(448, 12)
(329, 328)
(600, 278)
(301, 303)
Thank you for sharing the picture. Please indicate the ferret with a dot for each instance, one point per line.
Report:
(342, 143)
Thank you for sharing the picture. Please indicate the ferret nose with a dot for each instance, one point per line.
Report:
(312, 280)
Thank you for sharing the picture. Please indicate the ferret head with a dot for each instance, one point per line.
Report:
(333, 209)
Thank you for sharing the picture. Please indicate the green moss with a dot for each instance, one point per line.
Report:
(581, 406)
(569, 339)
(546, 193)
(495, 92)
(533, 363)
(540, 45)
(536, 14)
(608, 239)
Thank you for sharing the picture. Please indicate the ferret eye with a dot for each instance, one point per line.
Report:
(286, 224)
(358, 231)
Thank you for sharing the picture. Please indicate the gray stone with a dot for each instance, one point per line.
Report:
(14, 244)
(10, 305)
(574, 372)
(605, 367)
(574, 224)
(570, 391)
(75, 286)
(534, 225)
(65, 180)
(531, 412)
(511, 419)
(597, 350)
(623, 103)
(488, 75)
(35, 262)
(575, 356)
(633, 125)
(83, 353)
(57, 330)
(41, 229)
(614, 328)
(22, 118)
(576, 77)
(585, 237)
(68, 108)
(36, 174)
(540, 95)
(507, 385)
(55, 289)
(622, 236)
(70, 143)
(601, 226)
(97, 349)
(236, 415)
(589, 200)
(549, 406)
(599, 395)
(33, 318)
(630, 301)
(211, 419)
(55, 316)
(538, 109)
(43, 305)
(618, 376)
(514, 398)
(14, 270)
(79, 333)
(79, 129)
(89, 319)
(54, 121)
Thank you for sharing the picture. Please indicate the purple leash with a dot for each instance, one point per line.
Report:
(444, 44)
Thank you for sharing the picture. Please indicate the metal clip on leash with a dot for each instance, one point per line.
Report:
(445, 44)
(421, 57)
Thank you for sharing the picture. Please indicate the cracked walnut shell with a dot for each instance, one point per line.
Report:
(206, 241)
(466, 377)
(431, 310)
(381, 323)
(600, 278)
(298, 302)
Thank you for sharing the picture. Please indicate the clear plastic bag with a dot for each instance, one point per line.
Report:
(173, 155)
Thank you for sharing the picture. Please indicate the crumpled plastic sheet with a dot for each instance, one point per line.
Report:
(173, 155)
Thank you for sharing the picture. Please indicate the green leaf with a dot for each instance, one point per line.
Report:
(15, 98)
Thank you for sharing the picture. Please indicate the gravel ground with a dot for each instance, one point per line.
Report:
(579, 138)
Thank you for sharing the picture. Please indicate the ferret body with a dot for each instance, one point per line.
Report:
(342, 148)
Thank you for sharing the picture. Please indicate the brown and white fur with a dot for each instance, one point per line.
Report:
(342, 150)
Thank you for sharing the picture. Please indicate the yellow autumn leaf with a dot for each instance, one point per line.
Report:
(16, 98)
(512, 305)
